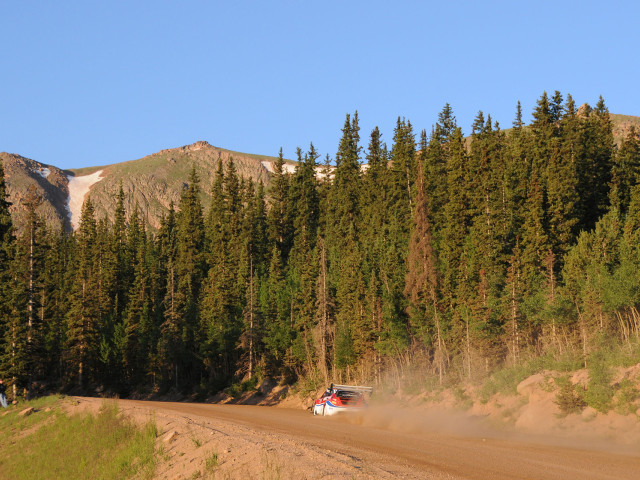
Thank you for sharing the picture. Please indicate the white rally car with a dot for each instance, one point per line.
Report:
(341, 398)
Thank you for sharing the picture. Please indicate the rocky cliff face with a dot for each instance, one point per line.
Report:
(51, 184)
(151, 183)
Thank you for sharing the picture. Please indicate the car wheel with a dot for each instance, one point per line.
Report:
(313, 410)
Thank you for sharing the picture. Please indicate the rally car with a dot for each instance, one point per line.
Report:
(341, 398)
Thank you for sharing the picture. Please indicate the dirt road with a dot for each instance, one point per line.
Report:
(384, 443)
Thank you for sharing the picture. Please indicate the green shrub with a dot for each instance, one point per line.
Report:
(463, 399)
(237, 389)
(599, 394)
(569, 398)
(626, 398)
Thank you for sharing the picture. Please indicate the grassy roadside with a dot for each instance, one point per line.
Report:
(50, 444)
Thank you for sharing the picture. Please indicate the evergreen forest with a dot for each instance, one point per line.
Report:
(441, 253)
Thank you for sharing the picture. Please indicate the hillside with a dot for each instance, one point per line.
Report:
(621, 126)
(153, 182)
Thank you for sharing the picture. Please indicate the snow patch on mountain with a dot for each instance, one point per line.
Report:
(78, 189)
(286, 167)
(268, 166)
(44, 172)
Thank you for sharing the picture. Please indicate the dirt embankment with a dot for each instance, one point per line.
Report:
(535, 410)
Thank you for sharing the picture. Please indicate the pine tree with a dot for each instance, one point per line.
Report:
(302, 273)
(276, 302)
(122, 257)
(53, 304)
(304, 200)
(544, 131)
(279, 215)
(512, 300)
(16, 359)
(562, 200)
(183, 287)
(253, 260)
(31, 240)
(422, 284)
(137, 325)
(256, 227)
(324, 312)
(344, 208)
(383, 238)
(518, 123)
(446, 125)
(534, 241)
(343, 240)
(456, 214)
(433, 157)
(83, 315)
(625, 171)
(6, 256)
(230, 249)
(374, 197)
(403, 172)
(556, 107)
(602, 157)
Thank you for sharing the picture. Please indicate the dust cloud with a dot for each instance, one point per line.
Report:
(415, 420)
(434, 421)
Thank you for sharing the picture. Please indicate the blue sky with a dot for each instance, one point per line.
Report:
(92, 83)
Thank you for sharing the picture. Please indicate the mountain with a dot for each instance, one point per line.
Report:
(621, 126)
(153, 182)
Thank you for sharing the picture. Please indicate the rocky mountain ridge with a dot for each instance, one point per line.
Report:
(152, 182)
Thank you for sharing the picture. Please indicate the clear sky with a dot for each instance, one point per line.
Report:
(96, 82)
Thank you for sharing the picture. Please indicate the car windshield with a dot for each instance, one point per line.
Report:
(348, 394)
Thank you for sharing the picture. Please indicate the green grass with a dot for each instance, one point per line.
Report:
(55, 445)
(211, 462)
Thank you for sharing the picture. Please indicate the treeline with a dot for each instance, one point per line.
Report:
(455, 254)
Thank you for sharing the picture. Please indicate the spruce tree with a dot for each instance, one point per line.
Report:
(403, 172)
(422, 285)
(179, 331)
(137, 324)
(456, 214)
(625, 171)
(81, 347)
(343, 239)
(32, 259)
(279, 216)
(53, 305)
(6, 256)
(276, 305)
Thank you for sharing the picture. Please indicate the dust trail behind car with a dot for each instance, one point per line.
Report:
(389, 416)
